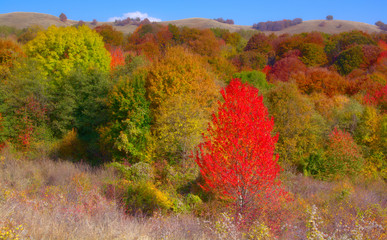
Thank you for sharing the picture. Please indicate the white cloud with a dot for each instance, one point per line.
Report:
(136, 14)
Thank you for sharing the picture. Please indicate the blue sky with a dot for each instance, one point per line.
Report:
(242, 12)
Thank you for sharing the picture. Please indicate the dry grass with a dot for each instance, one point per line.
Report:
(203, 23)
(331, 27)
(62, 200)
(26, 19)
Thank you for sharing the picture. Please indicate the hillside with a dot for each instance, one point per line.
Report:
(331, 27)
(24, 19)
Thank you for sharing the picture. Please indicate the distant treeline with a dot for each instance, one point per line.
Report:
(381, 25)
(131, 21)
(228, 21)
(276, 25)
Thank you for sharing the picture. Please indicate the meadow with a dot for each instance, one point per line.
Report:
(174, 132)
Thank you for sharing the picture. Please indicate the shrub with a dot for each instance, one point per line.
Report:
(313, 55)
(329, 17)
(254, 78)
(349, 60)
(344, 156)
(145, 198)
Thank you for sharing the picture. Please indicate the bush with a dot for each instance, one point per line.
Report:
(329, 17)
(255, 78)
(349, 60)
(344, 157)
(145, 198)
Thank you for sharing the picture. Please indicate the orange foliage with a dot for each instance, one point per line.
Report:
(203, 42)
(118, 57)
(180, 72)
(9, 52)
(286, 43)
(320, 80)
(110, 35)
(144, 41)
(362, 84)
(383, 55)
(314, 37)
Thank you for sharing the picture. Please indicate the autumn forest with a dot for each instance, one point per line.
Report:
(183, 133)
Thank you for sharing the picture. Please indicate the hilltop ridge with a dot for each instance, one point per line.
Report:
(26, 19)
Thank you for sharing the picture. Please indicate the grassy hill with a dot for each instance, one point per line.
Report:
(26, 19)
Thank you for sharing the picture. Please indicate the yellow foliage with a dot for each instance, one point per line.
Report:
(10, 232)
(182, 94)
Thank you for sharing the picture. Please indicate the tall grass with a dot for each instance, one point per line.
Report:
(47, 199)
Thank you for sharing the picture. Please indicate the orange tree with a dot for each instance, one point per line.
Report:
(237, 157)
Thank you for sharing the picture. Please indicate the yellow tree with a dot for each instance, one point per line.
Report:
(300, 127)
(182, 93)
(61, 50)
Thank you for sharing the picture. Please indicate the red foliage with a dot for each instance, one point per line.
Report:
(237, 157)
(29, 117)
(377, 98)
(118, 57)
(266, 69)
(344, 155)
(383, 54)
(63, 17)
(283, 69)
(362, 84)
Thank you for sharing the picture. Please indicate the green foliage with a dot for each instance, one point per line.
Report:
(349, 60)
(79, 102)
(313, 55)
(25, 84)
(299, 126)
(193, 200)
(128, 129)
(343, 41)
(6, 31)
(314, 164)
(255, 78)
(250, 60)
(61, 50)
(347, 114)
(138, 172)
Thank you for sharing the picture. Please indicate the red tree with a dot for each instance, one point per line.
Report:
(118, 57)
(237, 157)
(63, 17)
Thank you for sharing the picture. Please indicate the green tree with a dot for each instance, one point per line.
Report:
(349, 60)
(254, 78)
(313, 55)
(299, 126)
(128, 129)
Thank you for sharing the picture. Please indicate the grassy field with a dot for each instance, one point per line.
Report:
(47, 199)
(26, 19)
